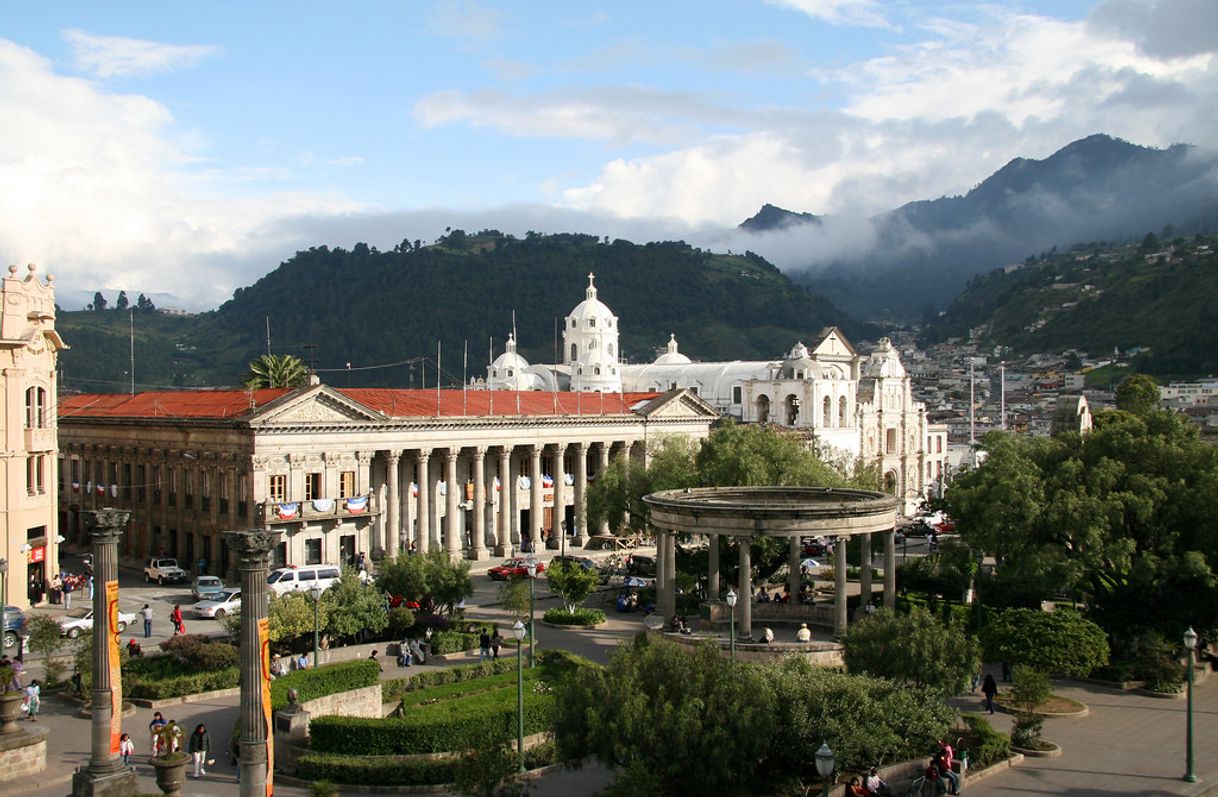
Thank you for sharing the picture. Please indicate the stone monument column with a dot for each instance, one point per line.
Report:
(839, 587)
(395, 540)
(581, 501)
(478, 538)
(890, 569)
(452, 537)
(105, 776)
(864, 574)
(253, 549)
(744, 602)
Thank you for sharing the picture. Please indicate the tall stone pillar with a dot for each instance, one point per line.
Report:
(513, 494)
(890, 569)
(452, 539)
(839, 587)
(423, 530)
(506, 487)
(560, 497)
(864, 573)
(794, 577)
(581, 495)
(105, 776)
(603, 447)
(394, 536)
(712, 568)
(257, 753)
(744, 602)
(670, 571)
(478, 538)
(535, 503)
(661, 571)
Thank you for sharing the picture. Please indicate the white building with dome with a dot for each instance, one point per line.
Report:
(850, 406)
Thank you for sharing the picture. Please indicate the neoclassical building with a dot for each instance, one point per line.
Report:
(853, 407)
(29, 346)
(341, 471)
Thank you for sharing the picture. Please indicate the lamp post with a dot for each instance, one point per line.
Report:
(1190, 642)
(315, 593)
(824, 766)
(531, 569)
(562, 540)
(731, 604)
(3, 582)
(518, 632)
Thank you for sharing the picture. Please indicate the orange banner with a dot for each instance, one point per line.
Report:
(264, 647)
(116, 674)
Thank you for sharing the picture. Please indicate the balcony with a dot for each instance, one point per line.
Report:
(39, 439)
(275, 512)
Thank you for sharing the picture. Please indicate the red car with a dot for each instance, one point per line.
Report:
(514, 568)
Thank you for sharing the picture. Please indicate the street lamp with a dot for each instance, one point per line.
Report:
(731, 604)
(1190, 642)
(824, 766)
(4, 582)
(315, 593)
(531, 569)
(518, 632)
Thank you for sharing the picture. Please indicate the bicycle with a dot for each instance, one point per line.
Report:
(921, 787)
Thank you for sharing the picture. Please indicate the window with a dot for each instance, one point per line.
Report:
(35, 408)
(277, 488)
(312, 486)
(171, 479)
(841, 411)
(346, 484)
(74, 464)
(574, 351)
(693, 389)
(826, 412)
(737, 394)
(598, 370)
(609, 349)
(126, 481)
(890, 441)
(156, 484)
(572, 323)
(591, 322)
(312, 557)
(59, 475)
(37, 533)
(242, 493)
(141, 486)
(188, 482)
(34, 475)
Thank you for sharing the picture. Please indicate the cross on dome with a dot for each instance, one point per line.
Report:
(591, 292)
(511, 341)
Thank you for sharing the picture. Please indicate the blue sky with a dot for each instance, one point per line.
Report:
(153, 143)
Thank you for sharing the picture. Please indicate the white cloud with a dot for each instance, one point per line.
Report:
(467, 20)
(116, 56)
(863, 13)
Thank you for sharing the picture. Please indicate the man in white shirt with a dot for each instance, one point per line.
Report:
(803, 634)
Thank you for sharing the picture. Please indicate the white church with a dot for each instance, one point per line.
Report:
(851, 405)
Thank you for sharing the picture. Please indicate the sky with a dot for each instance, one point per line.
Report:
(185, 149)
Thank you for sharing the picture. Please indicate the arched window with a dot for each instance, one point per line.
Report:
(609, 349)
(792, 409)
(826, 419)
(841, 411)
(35, 408)
(763, 409)
(574, 351)
(572, 323)
(509, 372)
(591, 322)
(598, 370)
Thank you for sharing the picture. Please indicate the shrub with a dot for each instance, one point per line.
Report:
(424, 622)
(401, 620)
(1060, 641)
(375, 770)
(163, 677)
(196, 652)
(328, 680)
(986, 746)
(915, 648)
(582, 616)
(452, 642)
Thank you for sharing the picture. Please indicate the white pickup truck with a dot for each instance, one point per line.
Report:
(163, 570)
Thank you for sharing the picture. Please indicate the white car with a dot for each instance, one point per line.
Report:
(225, 603)
(77, 621)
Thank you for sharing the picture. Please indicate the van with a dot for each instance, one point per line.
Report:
(302, 578)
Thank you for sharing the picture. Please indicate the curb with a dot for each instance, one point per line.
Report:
(1026, 753)
(198, 697)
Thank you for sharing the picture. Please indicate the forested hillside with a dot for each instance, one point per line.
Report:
(370, 308)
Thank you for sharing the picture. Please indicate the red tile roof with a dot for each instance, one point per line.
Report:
(219, 404)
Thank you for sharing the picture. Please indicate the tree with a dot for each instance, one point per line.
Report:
(291, 617)
(1031, 689)
(404, 577)
(514, 597)
(914, 648)
(1150, 243)
(1138, 394)
(99, 302)
(430, 574)
(572, 582)
(47, 640)
(1060, 641)
(121, 303)
(354, 608)
(276, 370)
(144, 303)
(738, 455)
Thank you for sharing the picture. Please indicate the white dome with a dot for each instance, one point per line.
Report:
(592, 308)
(798, 352)
(885, 361)
(507, 372)
(672, 356)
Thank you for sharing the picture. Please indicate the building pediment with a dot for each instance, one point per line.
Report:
(677, 404)
(833, 343)
(317, 404)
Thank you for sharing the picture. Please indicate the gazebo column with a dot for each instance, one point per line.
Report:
(581, 492)
(794, 550)
(477, 549)
(839, 586)
(712, 568)
(865, 572)
(745, 602)
(670, 571)
(890, 569)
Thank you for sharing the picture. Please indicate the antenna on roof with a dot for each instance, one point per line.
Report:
(490, 362)
(131, 331)
(268, 336)
(555, 371)
(465, 379)
(310, 347)
(437, 379)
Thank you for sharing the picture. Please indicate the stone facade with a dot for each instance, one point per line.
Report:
(23, 754)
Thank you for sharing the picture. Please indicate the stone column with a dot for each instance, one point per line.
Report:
(535, 504)
(452, 539)
(505, 501)
(865, 572)
(253, 550)
(604, 466)
(712, 568)
(105, 776)
(661, 571)
(890, 569)
(478, 548)
(395, 537)
(839, 587)
(794, 577)
(513, 493)
(423, 532)
(560, 497)
(744, 602)
(581, 492)
(670, 571)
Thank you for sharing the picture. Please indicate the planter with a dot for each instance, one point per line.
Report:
(1050, 750)
(1177, 695)
(10, 711)
(171, 772)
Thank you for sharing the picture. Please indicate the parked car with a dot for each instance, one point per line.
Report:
(207, 587)
(815, 546)
(78, 621)
(641, 565)
(514, 568)
(899, 537)
(220, 604)
(919, 528)
(14, 621)
(164, 570)
(583, 561)
(304, 577)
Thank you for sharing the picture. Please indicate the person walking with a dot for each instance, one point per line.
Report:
(200, 746)
(496, 641)
(146, 613)
(68, 587)
(158, 722)
(126, 748)
(484, 646)
(33, 700)
(989, 689)
(176, 618)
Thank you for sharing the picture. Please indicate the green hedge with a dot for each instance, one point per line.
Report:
(986, 746)
(396, 770)
(453, 642)
(558, 615)
(147, 687)
(395, 688)
(327, 680)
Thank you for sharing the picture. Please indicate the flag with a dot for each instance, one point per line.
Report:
(89, 486)
(101, 489)
(547, 481)
(114, 491)
(414, 490)
(76, 487)
(525, 482)
(443, 488)
(325, 505)
(357, 505)
(568, 479)
(498, 486)
(287, 511)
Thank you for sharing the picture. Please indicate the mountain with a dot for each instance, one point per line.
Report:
(772, 217)
(1096, 189)
(1159, 298)
(363, 308)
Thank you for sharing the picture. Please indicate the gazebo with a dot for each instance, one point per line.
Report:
(787, 512)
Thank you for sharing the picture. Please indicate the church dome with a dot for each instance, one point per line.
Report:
(672, 356)
(507, 372)
(592, 309)
(885, 361)
(799, 364)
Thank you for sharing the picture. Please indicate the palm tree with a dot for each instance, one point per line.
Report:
(276, 370)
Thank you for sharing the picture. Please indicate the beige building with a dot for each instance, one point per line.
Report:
(29, 346)
(344, 471)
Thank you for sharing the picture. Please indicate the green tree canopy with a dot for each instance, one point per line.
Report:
(572, 582)
(913, 649)
(1138, 394)
(414, 577)
(354, 608)
(276, 370)
(1059, 642)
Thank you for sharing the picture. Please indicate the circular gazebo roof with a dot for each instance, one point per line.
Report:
(773, 511)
